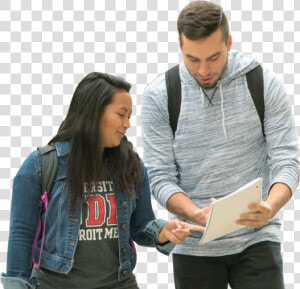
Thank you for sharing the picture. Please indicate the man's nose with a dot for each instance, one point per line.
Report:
(204, 69)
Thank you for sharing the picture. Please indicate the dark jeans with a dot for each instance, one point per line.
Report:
(257, 267)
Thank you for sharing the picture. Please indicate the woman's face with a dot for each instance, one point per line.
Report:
(115, 119)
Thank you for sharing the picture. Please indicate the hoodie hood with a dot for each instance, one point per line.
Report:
(238, 64)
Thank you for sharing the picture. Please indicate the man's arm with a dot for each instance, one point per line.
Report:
(282, 149)
(279, 195)
(158, 143)
(182, 206)
(160, 159)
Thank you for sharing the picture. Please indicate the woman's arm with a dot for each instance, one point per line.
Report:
(23, 221)
(148, 231)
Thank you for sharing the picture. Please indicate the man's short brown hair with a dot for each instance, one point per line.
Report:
(200, 19)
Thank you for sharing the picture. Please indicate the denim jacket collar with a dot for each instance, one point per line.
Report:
(62, 148)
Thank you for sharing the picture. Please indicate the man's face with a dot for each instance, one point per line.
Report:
(206, 59)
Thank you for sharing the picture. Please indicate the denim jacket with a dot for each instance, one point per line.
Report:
(136, 221)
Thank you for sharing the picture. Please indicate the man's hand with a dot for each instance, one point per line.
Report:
(279, 195)
(200, 216)
(256, 219)
(182, 206)
(176, 231)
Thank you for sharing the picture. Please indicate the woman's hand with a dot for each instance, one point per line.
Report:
(176, 231)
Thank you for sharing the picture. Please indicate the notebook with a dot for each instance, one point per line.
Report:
(225, 211)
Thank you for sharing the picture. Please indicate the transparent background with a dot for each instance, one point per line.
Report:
(47, 47)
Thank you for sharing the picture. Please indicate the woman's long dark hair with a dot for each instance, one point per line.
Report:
(81, 129)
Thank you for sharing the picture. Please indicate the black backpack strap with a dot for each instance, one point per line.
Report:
(49, 167)
(255, 82)
(173, 85)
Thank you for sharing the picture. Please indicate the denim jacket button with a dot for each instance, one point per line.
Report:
(124, 226)
(124, 203)
(125, 250)
(125, 272)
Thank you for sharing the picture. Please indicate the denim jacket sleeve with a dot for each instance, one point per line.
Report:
(23, 224)
(144, 227)
(17, 283)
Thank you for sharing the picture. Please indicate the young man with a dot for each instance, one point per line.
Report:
(220, 145)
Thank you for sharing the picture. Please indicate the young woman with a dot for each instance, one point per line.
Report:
(100, 201)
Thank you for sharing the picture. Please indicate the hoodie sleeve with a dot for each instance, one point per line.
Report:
(158, 143)
(280, 131)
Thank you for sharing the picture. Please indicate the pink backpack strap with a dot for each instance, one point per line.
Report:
(42, 204)
(132, 244)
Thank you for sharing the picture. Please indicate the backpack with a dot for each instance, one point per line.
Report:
(254, 81)
(49, 169)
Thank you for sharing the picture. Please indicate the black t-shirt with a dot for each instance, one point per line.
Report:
(96, 259)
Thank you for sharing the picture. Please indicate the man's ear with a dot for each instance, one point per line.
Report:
(229, 42)
(180, 43)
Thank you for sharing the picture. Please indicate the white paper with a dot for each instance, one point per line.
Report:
(226, 211)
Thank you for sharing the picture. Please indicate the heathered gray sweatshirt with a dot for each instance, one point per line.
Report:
(221, 147)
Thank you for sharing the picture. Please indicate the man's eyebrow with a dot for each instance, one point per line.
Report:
(191, 56)
(215, 54)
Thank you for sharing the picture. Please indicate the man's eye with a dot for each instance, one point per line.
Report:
(120, 114)
(214, 58)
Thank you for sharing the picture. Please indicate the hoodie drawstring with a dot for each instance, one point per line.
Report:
(222, 108)
(202, 95)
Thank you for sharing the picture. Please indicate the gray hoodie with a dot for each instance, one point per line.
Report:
(221, 147)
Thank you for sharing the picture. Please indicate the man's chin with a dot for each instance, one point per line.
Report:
(208, 85)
